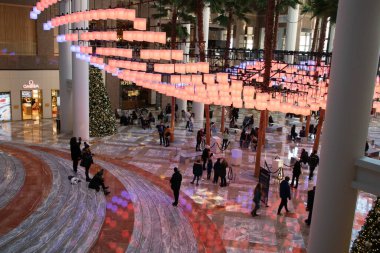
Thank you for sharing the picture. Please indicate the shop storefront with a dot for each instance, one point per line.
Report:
(29, 95)
(133, 96)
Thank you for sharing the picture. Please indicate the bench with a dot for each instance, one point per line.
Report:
(185, 158)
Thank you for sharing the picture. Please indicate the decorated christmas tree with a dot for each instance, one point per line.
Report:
(102, 119)
(368, 240)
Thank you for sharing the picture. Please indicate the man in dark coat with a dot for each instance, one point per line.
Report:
(284, 195)
(197, 171)
(313, 162)
(75, 152)
(217, 170)
(161, 129)
(175, 183)
(310, 203)
(296, 173)
(205, 156)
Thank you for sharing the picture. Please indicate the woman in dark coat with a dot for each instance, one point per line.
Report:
(98, 181)
(75, 152)
(296, 174)
(87, 160)
(223, 173)
(197, 171)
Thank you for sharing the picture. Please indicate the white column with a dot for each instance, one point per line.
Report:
(182, 105)
(206, 25)
(291, 32)
(240, 25)
(65, 77)
(262, 38)
(331, 37)
(186, 46)
(81, 108)
(353, 72)
(291, 28)
(153, 97)
(280, 35)
(198, 110)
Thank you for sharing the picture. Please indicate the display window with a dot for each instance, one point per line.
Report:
(5, 106)
(55, 103)
(133, 96)
(31, 104)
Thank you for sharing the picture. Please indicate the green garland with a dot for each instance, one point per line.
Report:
(102, 118)
(368, 240)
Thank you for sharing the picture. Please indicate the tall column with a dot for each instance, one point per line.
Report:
(206, 25)
(239, 33)
(280, 35)
(353, 72)
(331, 37)
(262, 37)
(182, 105)
(198, 110)
(65, 77)
(81, 87)
(291, 31)
(186, 46)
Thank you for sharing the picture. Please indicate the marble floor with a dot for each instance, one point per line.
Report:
(137, 216)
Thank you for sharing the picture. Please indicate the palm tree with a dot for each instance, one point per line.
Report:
(229, 11)
(178, 9)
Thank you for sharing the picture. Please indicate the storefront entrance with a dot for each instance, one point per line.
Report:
(31, 104)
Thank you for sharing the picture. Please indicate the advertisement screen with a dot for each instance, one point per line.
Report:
(5, 106)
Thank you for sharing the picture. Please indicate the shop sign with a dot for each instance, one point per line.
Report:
(30, 85)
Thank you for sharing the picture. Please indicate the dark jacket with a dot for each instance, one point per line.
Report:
(197, 169)
(223, 169)
(285, 190)
(313, 160)
(86, 159)
(297, 169)
(205, 154)
(304, 157)
(310, 199)
(209, 165)
(217, 167)
(199, 136)
(96, 182)
(75, 151)
(176, 180)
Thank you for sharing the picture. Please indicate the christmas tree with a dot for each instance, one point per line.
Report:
(102, 119)
(368, 240)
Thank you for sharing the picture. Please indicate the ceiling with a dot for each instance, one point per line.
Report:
(19, 2)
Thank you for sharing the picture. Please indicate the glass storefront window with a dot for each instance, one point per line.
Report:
(5, 106)
(54, 103)
(31, 104)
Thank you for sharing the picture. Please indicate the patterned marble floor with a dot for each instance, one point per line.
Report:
(227, 208)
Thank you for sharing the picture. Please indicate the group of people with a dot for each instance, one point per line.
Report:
(248, 138)
(164, 133)
(85, 157)
(302, 133)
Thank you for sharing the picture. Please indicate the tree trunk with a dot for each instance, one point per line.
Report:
(222, 120)
(259, 143)
(308, 118)
(268, 46)
(275, 29)
(315, 35)
(208, 130)
(174, 29)
(201, 42)
(319, 130)
(268, 53)
(228, 41)
(321, 42)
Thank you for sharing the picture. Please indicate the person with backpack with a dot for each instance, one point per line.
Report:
(313, 163)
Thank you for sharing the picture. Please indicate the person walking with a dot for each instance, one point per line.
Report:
(98, 181)
(167, 134)
(175, 184)
(191, 122)
(296, 173)
(209, 166)
(313, 163)
(310, 204)
(223, 173)
(75, 152)
(217, 170)
(304, 156)
(161, 129)
(293, 134)
(256, 199)
(199, 140)
(87, 160)
(284, 195)
(205, 156)
(226, 135)
(197, 171)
